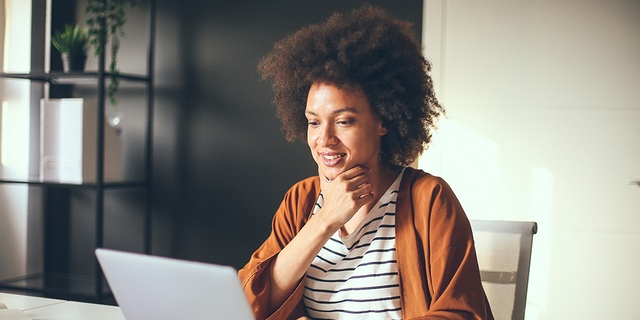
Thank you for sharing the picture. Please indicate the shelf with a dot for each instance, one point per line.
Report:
(91, 184)
(60, 286)
(71, 77)
(52, 211)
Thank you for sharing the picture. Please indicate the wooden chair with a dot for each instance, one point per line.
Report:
(504, 256)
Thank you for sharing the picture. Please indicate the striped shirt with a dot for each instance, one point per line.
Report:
(356, 276)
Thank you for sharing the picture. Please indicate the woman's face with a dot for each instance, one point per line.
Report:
(342, 131)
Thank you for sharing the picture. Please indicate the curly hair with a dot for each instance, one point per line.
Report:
(366, 49)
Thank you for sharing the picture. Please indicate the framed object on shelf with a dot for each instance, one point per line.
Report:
(67, 143)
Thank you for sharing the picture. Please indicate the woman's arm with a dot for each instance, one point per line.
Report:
(291, 264)
(271, 279)
(452, 272)
(342, 199)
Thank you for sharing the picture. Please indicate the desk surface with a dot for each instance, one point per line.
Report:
(54, 309)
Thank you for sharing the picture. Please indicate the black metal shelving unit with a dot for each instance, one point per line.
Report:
(92, 288)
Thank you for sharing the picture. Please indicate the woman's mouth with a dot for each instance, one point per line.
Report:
(331, 159)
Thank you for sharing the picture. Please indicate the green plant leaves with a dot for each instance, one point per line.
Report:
(106, 21)
(71, 39)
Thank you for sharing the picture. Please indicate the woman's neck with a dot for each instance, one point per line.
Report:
(381, 180)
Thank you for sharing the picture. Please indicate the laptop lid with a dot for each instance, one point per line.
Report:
(150, 287)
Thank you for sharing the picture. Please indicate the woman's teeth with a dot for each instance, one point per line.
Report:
(333, 157)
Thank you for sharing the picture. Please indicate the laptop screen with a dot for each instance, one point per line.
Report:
(150, 287)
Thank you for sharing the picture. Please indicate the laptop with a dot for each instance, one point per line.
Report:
(150, 287)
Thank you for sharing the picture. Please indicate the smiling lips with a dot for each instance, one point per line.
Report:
(331, 159)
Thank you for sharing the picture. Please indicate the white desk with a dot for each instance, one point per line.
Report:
(53, 309)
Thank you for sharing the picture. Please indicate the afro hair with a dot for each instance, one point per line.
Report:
(366, 49)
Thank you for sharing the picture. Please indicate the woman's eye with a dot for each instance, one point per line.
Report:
(345, 122)
(313, 123)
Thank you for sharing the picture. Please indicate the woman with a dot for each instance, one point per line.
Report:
(369, 237)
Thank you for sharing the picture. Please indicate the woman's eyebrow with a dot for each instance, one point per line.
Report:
(342, 110)
(346, 109)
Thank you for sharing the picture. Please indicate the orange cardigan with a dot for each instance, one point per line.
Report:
(437, 264)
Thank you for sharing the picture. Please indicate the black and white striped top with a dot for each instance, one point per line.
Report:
(356, 277)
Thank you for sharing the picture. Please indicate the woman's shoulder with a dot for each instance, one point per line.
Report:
(305, 188)
(299, 200)
(418, 178)
(306, 184)
(427, 187)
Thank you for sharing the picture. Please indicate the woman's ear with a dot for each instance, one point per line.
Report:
(382, 130)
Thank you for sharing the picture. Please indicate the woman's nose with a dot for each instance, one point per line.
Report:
(327, 137)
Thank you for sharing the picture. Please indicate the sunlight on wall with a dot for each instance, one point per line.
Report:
(470, 163)
(14, 139)
(15, 93)
(5, 155)
(540, 210)
(482, 178)
(521, 74)
(17, 36)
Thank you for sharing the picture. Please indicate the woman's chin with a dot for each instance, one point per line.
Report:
(331, 173)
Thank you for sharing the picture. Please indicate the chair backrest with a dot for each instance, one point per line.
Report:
(504, 256)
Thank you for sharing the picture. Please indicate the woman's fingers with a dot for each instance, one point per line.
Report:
(352, 185)
(354, 173)
(364, 191)
(347, 193)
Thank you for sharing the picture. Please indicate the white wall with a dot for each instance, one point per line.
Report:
(15, 16)
(543, 102)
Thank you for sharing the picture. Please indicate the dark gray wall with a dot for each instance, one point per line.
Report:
(221, 163)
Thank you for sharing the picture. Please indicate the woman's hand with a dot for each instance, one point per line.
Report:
(345, 194)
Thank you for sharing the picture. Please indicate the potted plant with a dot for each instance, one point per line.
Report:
(106, 21)
(71, 42)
